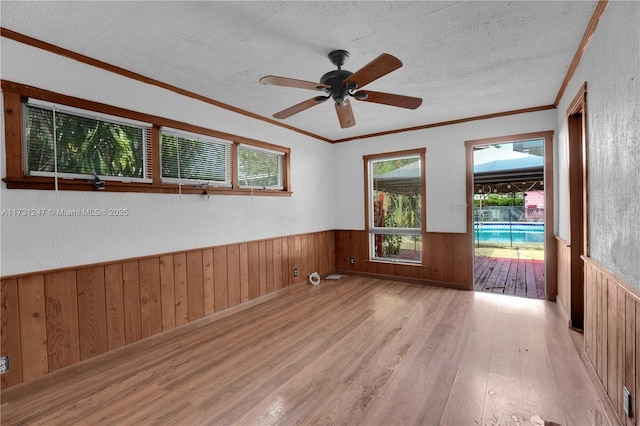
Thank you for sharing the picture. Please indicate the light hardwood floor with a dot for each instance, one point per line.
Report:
(353, 351)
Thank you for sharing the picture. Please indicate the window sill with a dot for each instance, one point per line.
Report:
(391, 262)
(116, 186)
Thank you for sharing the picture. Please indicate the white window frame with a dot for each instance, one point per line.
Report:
(280, 155)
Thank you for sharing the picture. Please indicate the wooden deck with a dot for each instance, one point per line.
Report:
(517, 277)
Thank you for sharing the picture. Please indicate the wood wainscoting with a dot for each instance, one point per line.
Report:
(612, 335)
(54, 319)
(447, 259)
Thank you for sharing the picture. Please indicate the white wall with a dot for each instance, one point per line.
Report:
(611, 68)
(445, 166)
(157, 223)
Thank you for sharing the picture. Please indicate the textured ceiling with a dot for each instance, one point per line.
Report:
(463, 58)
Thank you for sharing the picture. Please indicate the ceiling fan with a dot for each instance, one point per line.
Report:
(340, 84)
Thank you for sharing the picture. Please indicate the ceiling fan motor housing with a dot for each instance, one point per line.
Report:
(334, 79)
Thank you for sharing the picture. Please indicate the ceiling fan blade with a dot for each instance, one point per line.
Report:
(382, 65)
(285, 113)
(389, 99)
(345, 114)
(292, 82)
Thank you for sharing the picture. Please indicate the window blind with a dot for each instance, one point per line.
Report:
(198, 159)
(112, 148)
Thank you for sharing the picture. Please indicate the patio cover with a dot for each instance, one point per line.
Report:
(492, 166)
(403, 180)
(495, 165)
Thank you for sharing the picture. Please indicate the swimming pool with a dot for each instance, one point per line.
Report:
(501, 233)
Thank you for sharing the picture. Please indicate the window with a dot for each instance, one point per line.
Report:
(72, 143)
(395, 206)
(58, 142)
(192, 158)
(259, 168)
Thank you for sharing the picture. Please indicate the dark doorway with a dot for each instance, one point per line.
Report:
(577, 206)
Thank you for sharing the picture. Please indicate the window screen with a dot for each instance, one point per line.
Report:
(195, 158)
(259, 168)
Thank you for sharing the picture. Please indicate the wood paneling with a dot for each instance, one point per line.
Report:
(220, 278)
(277, 264)
(150, 297)
(446, 258)
(114, 298)
(180, 283)
(131, 291)
(10, 331)
(167, 292)
(33, 327)
(207, 276)
(285, 262)
(54, 319)
(270, 265)
(244, 272)
(254, 270)
(63, 340)
(233, 275)
(195, 288)
(611, 334)
(262, 268)
(92, 316)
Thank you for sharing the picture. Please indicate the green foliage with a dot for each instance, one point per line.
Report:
(401, 210)
(391, 245)
(258, 168)
(500, 200)
(83, 145)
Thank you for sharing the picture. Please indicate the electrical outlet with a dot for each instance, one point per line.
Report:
(352, 261)
(295, 272)
(626, 401)
(4, 364)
